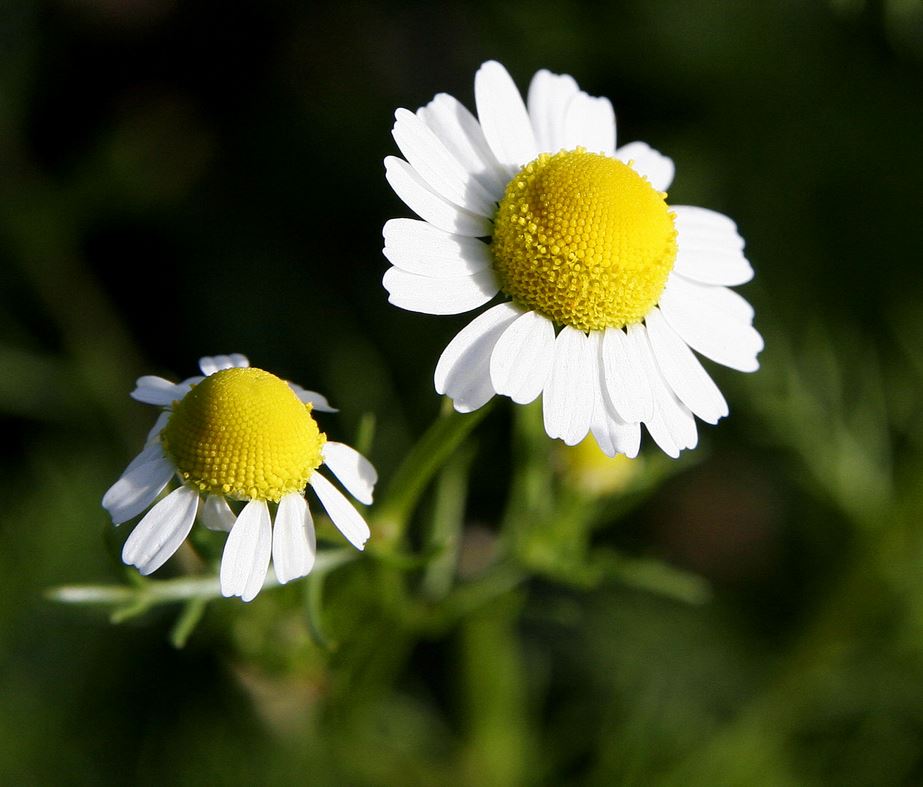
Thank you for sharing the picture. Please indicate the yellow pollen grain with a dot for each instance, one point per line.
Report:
(583, 239)
(244, 434)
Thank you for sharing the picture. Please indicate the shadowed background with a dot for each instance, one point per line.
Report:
(188, 178)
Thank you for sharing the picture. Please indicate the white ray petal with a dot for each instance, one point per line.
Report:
(693, 217)
(590, 123)
(161, 531)
(683, 372)
(625, 382)
(294, 544)
(353, 470)
(567, 401)
(461, 133)
(428, 205)
(433, 162)
(151, 389)
(417, 247)
(503, 117)
(657, 168)
(439, 296)
(713, 321)
(548, 97)
(672, 425)
(210, 364)
(157, 428)
(708, 265)
(318, 401)
(245, 560)
(612, 435)
(522, 358)
(138, 487)
(463, 371)
(216, 514)
(341, 512)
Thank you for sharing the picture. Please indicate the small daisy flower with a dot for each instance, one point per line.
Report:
(243, 435)
(607, 289)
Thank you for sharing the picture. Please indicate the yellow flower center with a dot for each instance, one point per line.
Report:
(583, 239)
(243, 433)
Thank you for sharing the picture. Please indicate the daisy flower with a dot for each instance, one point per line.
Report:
(242, 435)
(606, 288)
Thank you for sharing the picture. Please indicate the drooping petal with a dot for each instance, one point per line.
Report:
(210, 364)
(157, 428)
(428, 205)
(161, 531)
(352, 469)
(138, 487)
(294, 544)
(549, 95)
(439, 296)
(590, 123)
(216, 514)
(626, 385)
(341, 512)
(151, 389)
(522, 358)
(612, 435)
(672, 424)
(683, 372)
(463, 371)
(245, 560)
(318, 401)
(657, 168)
(567, 401)
(441, 171)
(417, 247)
(713, 321)
(503, 117)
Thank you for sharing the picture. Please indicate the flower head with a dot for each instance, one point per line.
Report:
(237, 435)
(606, 287)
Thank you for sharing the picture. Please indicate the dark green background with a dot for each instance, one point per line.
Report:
(189, 178)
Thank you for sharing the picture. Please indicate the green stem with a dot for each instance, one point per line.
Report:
(437, 445)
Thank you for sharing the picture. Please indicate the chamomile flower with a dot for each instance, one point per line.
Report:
(606, 288)
(242, 435)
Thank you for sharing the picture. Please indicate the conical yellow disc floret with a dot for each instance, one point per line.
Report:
(583, 239)
(243, 433)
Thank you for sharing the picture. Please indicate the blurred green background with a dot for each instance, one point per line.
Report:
(189, 178)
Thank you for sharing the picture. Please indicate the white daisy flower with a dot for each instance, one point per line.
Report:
(239, 434)
(606, 288)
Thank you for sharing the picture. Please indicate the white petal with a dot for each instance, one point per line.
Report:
(713, 321)
(341, 512)
(590, 123)
(294, 544)
(463, 371)
(157, 428)
(417, 247)
(702, 219)
(683, 372)
(217, 515)
(612, 435)
(246, 553)
(353, 470)
(155, 390)
(161, 531)
(461, 133)
(439, 296)
(625, 382)
(428, 205)
(549, 95)
(210, 364)
(709, 266)
(139, 485)
(567, 403)
(657, 168)
(672, 425)
(522, 358)
(318, 401)
(503, 117)
(438, 167)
